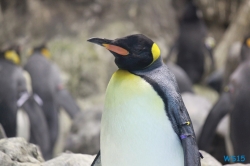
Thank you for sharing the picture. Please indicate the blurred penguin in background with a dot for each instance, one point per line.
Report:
(12, 86)
(192, 44)
(238, 52)
(233, 101)
(47, 84)
(220, 77)
(182, 79)
(245, 49)
(20, 113)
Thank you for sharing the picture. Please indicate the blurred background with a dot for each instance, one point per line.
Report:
(66, 25)
(85, 69)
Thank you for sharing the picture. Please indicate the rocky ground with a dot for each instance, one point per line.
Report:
(17, 152)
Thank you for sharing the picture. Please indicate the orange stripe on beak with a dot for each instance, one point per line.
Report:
(116, 49)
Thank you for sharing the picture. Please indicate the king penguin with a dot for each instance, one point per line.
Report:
(144, 122)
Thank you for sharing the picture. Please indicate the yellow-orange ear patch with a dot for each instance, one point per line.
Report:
(116, 49)
(46, 53)
(12, 56)
(156, 52)
(248, 42)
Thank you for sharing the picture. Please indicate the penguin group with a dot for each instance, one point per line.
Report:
(15, 95)
(144, 112)
(143, 100)
(47, 84)
(145, 121)
(230, 82)
(37, 90)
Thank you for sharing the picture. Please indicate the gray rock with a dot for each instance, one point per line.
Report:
(84, 136)
(70, 159)
(5, 160)
(206, 92)
(28, 164)
(17, 149)
(209, 160)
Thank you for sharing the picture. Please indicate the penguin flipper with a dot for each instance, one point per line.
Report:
(66, 101)
(191, 152)
(185, 132)
(39, 132)
(220, 109)
(97, 160)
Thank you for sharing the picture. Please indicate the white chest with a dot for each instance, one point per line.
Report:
(135, 129)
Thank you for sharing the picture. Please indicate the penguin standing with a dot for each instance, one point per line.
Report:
(47, 84)
(16, 99)
(11, 86)
(145, 121)
(192, 45)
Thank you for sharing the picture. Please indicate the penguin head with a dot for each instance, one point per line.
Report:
(191, 13)
(12, 54)
(133, 52)
(43, 50)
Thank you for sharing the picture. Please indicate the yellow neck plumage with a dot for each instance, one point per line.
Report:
(46, 53)
(12, 56)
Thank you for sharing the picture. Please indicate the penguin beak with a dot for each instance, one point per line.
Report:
(99, 41)
(108, 44)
